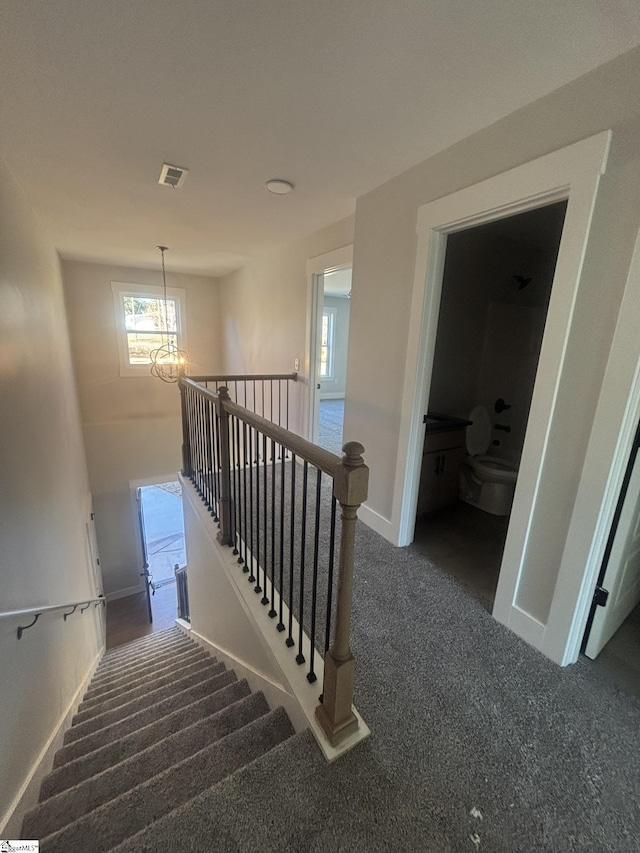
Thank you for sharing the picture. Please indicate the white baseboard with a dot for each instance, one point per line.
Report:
(331, 395)
(124, 593)
(377, 522)
(27, 796)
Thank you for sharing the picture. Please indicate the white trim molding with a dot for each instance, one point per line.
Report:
(572, 173)
(316, 268)
(617, 415)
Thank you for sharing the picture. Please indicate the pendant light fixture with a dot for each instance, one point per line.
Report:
(167, 361)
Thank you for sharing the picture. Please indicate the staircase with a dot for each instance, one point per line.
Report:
(160, 723)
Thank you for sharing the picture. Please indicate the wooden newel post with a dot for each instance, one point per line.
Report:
(186, 447)
(335, 713)
(224, 535)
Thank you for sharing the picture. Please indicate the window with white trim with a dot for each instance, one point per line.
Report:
(145, 322)
(327, 336)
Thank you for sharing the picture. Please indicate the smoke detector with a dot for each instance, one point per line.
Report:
(172, 176)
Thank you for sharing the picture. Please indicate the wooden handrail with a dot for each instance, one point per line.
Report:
(241, 377)
(29, 611)
(48, 608)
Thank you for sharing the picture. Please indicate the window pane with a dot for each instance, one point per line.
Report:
(326, 345)
(325, 330)
(147, 314)
(140, 345)
(324, 353)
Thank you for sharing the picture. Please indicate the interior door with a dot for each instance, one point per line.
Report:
(145, 560)
(621, 568)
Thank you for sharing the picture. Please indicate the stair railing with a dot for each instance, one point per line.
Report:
(182, 592)
(37, 612)
(274, 496)
(266, 394)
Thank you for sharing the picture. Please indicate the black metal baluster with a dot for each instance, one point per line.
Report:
(194, 443)
(271, 400)
(280, 405)
(235, 390)
(257, 588)
(311, 676)
(209, 477)
(199, 443)
(272, 612)
(188, 415)
(253, 382)
(303, 543)
(290, 641)
(218, 465)
(245, 568)
(203, 450)
(262, 383)
(251, 577)
(238, 489)
(287, 404)
(280, 625)
(189, 403)
(332, 548)
(232, 485)
(265, 597)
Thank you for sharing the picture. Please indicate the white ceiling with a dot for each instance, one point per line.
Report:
(335, 95)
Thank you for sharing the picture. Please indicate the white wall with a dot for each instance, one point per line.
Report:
(384, 263)
(44, 502)
(131, 425)
(334, 387)
(265, 309)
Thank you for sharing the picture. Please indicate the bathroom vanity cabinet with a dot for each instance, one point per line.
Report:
(444, 449)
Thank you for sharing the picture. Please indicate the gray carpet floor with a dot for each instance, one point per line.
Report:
(479, 743)
(330, 425)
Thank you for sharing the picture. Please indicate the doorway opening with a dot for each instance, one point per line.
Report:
(332, 357)
(496, 288)
(163, 547)
(328, 340)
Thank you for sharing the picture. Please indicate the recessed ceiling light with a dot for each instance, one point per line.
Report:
(279, 186)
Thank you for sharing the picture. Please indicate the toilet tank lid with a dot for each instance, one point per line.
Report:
(479, 433)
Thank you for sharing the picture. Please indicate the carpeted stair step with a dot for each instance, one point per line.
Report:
(70, 805)
(116, 657)
(122, 748)
(150, 640)
(92, 708)
(238, 812)
(178, 699)
(146, 672)
(137, 661)
(137, 646)
(136, 665)
(86, 727)
(117, 819)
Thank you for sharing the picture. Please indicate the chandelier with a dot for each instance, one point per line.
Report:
(168, 362)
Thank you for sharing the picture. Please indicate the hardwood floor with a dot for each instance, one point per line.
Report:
(127, 618)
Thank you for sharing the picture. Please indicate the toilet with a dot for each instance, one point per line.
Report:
(486, 482)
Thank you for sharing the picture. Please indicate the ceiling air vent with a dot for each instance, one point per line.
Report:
(172, 176)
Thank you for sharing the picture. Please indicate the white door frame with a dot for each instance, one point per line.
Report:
(572, 173)
(610, 444)
(316, 268)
